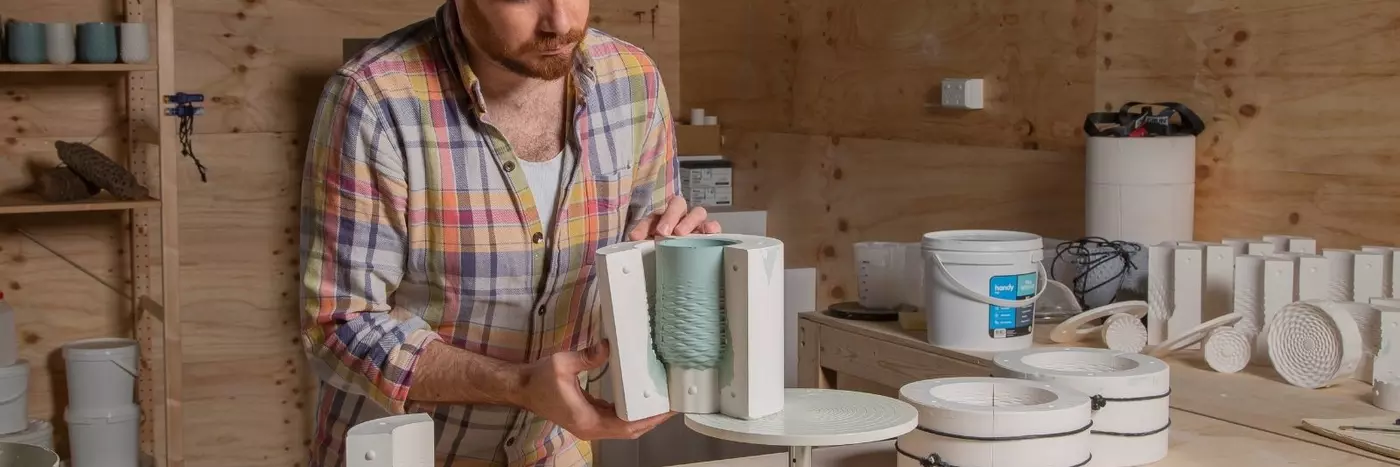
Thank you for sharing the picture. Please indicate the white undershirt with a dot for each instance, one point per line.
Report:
(545, 179)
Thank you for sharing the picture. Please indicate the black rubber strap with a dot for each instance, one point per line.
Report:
(1006, 438)
(934, 460)
(1134, 435)
(1098, 402)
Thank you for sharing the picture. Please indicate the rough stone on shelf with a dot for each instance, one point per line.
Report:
(95, 167)
(59, 184)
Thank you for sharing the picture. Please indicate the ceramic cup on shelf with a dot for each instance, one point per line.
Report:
(59, 42)
(97, 42)
(24, 42)
(135, 43)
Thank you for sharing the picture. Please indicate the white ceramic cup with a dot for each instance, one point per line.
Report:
(135, 43)
(60, 47)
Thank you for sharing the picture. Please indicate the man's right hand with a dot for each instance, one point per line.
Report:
(551, 390)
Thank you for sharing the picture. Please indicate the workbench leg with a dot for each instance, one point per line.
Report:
(810, 373)
(800, 456)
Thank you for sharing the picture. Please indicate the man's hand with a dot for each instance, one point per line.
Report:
(551, 390)
(674, 221)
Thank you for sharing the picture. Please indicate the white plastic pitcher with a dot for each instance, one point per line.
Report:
(982, 288)
(104, 437)
(101, 373)
(26, 455)
(14, 400)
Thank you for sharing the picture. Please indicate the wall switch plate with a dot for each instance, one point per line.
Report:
(962, 93)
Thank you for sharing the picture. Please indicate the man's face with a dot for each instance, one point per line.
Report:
(534, 38)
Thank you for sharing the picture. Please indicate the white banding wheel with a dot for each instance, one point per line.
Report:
(977, 421)
(1125, 333)
(1228, 349)
(814, 417)
(1386, 395)
(1071, 330)
(1193, 336)
(1313, 346)
(1130, 392)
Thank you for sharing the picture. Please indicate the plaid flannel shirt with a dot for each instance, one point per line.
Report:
(418, 225)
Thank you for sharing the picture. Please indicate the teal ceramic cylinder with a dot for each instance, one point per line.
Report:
(24, 42)
(97, 43)
(689, 322)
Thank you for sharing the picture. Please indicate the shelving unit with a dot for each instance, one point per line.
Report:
(154, 225)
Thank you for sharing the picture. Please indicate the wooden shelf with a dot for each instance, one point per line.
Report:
(76, 67)
(29, 203)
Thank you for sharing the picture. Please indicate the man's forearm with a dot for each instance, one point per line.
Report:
(447, 374)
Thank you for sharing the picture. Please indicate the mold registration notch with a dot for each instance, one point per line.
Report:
(695, 324)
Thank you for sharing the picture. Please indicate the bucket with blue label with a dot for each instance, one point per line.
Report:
(981, 288)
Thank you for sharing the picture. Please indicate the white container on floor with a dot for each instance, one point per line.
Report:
(101, 373)
(39, 433)
(9, 339)
(14, 400)
(104, 437)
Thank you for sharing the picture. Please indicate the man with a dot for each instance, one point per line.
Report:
(461, 174)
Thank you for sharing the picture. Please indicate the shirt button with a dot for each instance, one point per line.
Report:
(509, 166)
(510, 441)
(541, 310)
(538, 237)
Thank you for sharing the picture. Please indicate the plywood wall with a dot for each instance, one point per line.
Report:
(1295, 92)
(261, 64)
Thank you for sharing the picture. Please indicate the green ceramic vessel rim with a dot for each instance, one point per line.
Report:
(681, 242)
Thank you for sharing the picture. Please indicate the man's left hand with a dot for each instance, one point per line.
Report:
(674, 221)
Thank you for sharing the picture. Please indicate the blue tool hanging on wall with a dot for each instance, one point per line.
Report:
(185, 109)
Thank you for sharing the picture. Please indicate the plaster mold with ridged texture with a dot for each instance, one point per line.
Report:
(1228, 350)
(964, 422)
(1159, 291)
(1343, 270)
(1132, 393)
(1385, 374)
(1314, 344)
(1249, 290)
(1124, 333)
(1191, 336)
(1072, 330)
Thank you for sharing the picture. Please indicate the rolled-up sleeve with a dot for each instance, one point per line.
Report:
(354, 245)
(657, 176)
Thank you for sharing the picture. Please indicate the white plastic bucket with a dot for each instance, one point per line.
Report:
(25, 455)
(104, 437)
(982, 288)
(101, 373)
(14, 400)
(39, 433)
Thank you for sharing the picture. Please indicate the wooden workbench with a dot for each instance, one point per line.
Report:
(1240, 420)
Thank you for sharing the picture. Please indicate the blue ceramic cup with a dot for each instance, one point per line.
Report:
(25, 42)
(97, 43)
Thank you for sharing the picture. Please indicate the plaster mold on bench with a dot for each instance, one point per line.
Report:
(1292, 243)
(1368, 276)
(1188, 278)
(1219, 293)
(1249, 293)
(1367, 320)
(1261, 248)
(1313, 275)
(1228, 350)
(1278, 293)
(1391, 270)
(1343, 271)
(747, 383)
(1159, 290)
(1386, 371)
(1072, 330)
(1192, 336)
(1240, 245)
(1132, 393)
(1125, 333)
(1314, 344)
(1057, 420)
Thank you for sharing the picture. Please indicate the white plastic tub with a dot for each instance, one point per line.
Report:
(25, 455)
(14, 400)
(104, 437)
(981, 288)
(101, 373)
(39, 433)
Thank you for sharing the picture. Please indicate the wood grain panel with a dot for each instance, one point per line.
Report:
(824, 193)
(741, 61)
(1299, 97)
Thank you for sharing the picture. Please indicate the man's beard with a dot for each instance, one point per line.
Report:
(547, 68)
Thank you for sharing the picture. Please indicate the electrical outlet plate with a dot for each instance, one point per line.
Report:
(962, 93)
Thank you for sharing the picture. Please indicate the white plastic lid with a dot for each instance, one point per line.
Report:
(19, 370)
(100, 416)
(982, 241)
(99, 349)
